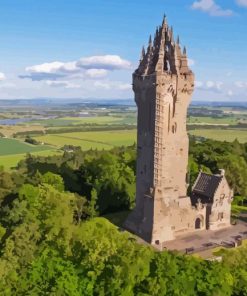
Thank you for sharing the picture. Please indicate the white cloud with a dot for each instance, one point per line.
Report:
(107, 62)
(214, 86)
(230, 93)
(240, 84)
(124, 86)
(210, 7)
(191, 62)
(90, 67)
(242, 2)
(7, 85)
(2, 76)
(104, 85)
(64, 84)
(96, 73)
(117, 85)
(50, 71)
(53, 67)
(198, 84)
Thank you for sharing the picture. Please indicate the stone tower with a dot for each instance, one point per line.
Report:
(163, 85)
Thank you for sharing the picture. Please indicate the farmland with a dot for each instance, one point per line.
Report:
(91, 140)
(110, 139)
(10, 161)
(13, 146)
(68, 121)
(12, 151)
(229, 120)
(97, 126)
(10, 130)
(228, 135)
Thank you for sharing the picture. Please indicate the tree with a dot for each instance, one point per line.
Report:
(112, 262)
(53, 179)
(93, 204)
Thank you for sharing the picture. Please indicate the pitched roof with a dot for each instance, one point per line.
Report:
(206, 185)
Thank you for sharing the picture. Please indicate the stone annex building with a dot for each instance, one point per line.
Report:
(163, 85)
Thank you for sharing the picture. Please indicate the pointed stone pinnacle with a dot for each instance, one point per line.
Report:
(156, 33)
(178, 40)
(184, 51)
(171, 35)
(150, 40)
(142, 53)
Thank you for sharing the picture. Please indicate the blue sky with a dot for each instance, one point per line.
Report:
(89, 48)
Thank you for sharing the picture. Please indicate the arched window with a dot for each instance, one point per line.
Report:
(198, 223)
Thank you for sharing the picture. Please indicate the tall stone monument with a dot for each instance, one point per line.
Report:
(163, 85)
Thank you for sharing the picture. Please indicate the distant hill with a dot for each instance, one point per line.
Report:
(62, 102)
(219, 104)
(36, 102)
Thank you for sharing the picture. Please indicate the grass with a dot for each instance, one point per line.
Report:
(59, 141)
(110, 139)
(13, 146)
(53, 122)
(239, 209)
(9, 130)
(228, 135)
(101, 119)
(94, 140)
(12, 150)
(211, 120)
(10, 161)
(73, 121)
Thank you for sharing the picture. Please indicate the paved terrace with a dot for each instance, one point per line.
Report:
(204, 238)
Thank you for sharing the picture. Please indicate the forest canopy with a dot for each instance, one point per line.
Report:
(55, 241)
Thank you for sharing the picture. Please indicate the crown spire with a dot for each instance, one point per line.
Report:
(164, 20)
(163, 53)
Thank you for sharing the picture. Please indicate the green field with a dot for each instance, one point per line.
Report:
(10, 161)
(228, 135)
(211, 120)
(88, 140)
(103, 119)
(13, 146)
(110, 139)
(72, 121)
(12, 150)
